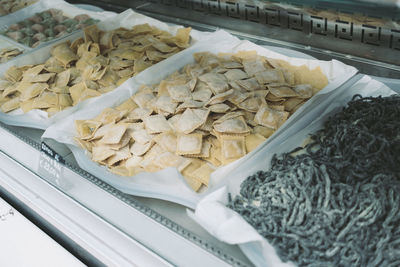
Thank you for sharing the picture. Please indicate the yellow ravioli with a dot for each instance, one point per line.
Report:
(232, 148)
(189, 144)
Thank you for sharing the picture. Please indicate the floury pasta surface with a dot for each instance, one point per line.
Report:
(209, 114)
(87, 67)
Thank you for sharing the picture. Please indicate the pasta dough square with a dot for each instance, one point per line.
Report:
(133, 161)
(156, 124)
(283, 91)
(291, 103)
(114, 135)
(232, 148)
(270, 76)
(110, 115)
(189, 104)
(76, 91)
(168, 159)
(45, 100)
(13, 89)
(220, 97)
(193, 183)
(202, 173)
(101, 131)
(252, 104)
(139, 149)
(202, 94)
(30, 74)
(270, 118)
(262, 130)
(64, 53)
(142, 98)
(141, 136)
(122, 143)
(235, 125)
(249, 84)
(191, 119)
(179, 93)
(10, 104)
(120, 170)
(304, 90)
(139, 113)
(219, 108)
(216, 82)
(231, 65)
(253, 66)
(26, 106)
(119, 155)
(86, 128)
(13, 74)
(32, 90)
(189, 144)
(167, 140)
(205, 150)
(235, 74)
(215, 155)
(127, 105)
(101, 153)
(62, 78)
(165, 104)
(253, 141)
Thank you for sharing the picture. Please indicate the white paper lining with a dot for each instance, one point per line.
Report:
(168, 184)
(38, 118)
(228, 226)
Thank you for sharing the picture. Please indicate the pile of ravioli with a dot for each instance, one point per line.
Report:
(88, 67)
(10, 6)
(46, 26)
(8, 53)
(209, 114)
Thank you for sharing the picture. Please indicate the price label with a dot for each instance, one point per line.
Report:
(51, 164)
(48, 151)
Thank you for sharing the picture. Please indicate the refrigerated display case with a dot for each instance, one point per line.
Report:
(101, 225)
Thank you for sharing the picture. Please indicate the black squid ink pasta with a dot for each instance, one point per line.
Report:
(336, 201)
